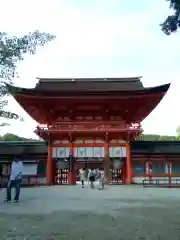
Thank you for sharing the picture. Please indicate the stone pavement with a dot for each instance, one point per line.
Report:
(70, 212)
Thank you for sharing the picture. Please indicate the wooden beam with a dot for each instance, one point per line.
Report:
(49, 166)
(107, 163)
(128, 165)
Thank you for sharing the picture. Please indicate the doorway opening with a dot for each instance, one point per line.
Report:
(87, 164)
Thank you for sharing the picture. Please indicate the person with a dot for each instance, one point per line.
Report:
(15, 179)
(82, 176)
(92, 177)
(101, 180)
(1, 175)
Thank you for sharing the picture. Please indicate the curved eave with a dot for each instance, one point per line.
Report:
(140, 108)
(19, 90)
(36, 93)
(139, 104)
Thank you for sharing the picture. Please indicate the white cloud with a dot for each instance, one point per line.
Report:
(98, 39)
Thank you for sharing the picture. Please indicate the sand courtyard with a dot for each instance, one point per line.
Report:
(70, 212)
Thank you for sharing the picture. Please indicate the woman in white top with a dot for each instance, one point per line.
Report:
(82, 174)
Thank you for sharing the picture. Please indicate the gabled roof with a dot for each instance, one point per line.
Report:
(135, 101)
(89, 84)
(123, 86)
(22, 147)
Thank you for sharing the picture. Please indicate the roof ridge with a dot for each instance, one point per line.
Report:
(108, 79)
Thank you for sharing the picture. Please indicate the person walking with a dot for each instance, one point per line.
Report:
(88, 177)
(101, 180)
(15, 179)
(92, 175)
(82, 174)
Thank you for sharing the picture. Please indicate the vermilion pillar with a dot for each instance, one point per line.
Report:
(49, 166)
(148, 170)
(107, 163)
(72, 174)
(128, 179)
(169, 172)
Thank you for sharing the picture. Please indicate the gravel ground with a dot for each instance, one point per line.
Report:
(65, 212)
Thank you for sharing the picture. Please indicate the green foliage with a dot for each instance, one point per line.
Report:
(154, 137)
(172, 22)
(12, 51)
(9, 115)
(13, 137)
(178, 131)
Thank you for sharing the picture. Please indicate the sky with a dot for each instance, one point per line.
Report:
(98, 38)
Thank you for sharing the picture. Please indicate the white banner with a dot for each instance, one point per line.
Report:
(89, 151)
(82, 152)
(117, 152)
(60, 152)
(98, 152)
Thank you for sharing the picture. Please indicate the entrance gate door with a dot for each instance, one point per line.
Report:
(88, 157)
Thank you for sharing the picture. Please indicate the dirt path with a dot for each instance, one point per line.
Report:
(73, 213)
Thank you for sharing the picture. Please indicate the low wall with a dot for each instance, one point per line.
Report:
(162, 180)
(30, 180)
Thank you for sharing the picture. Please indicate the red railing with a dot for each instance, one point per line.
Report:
(165, 182)
(111, 126)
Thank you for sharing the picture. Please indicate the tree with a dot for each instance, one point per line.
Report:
(178, 132)
(12, 51)
(155, 137)
(13, 137)
(172, 22)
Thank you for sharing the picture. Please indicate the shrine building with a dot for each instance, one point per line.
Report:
(89, 123)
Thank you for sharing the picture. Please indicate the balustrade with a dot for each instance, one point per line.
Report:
(90, 126)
